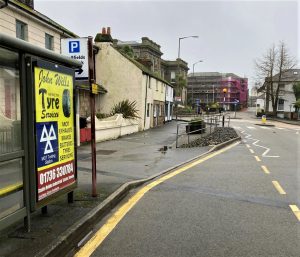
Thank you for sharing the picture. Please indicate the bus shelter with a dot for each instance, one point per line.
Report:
(37, 128)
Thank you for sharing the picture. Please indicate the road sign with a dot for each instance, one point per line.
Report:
(76, 48)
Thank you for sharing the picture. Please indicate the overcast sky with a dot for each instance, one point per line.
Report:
(231, 33)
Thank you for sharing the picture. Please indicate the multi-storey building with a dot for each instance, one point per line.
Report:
(149, 54)
(207, 87)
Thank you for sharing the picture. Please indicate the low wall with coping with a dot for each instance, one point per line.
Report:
(114, 127)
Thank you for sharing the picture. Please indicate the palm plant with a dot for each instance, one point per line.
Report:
(127, 108)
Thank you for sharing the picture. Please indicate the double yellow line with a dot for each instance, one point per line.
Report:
(113, 221)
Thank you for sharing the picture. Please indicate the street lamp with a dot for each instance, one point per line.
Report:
(224, 91)
(193, 78)
(180, 40)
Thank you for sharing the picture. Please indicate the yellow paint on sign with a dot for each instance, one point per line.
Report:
(113, 221)
(278, 187)
(296, 211)
(265, 169)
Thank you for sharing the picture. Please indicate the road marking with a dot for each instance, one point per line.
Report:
(278, 187)
(251, 151)
(112, 222)
(257, 158)
(297, 133)
(250, 127)
(248, 136)
(248, 145)
(281, 128)
(265, 169)
(264, 127)
(296, 211)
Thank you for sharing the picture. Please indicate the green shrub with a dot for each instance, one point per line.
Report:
(102, 115)
(127, 108)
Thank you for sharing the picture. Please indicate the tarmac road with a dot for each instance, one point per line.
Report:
(241, 202)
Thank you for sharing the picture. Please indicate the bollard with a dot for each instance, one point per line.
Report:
(223, 121)
(264, 119)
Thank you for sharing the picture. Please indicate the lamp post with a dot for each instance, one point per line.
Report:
(193, 79)
(224, 91)
(179, 39)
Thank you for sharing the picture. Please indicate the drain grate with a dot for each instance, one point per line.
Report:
(105, 152)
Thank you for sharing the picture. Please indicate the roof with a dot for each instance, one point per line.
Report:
(85, 85)
(175, 63)
(213, 74)
(145, 69)
(40, 16)
(288, 76)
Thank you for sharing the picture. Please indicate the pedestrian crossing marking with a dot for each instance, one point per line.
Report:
(265, 128)
(249, 127)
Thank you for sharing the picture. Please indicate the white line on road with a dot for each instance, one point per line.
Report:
(250, 127)
(264, 127)
(248, 136)
(251, 151)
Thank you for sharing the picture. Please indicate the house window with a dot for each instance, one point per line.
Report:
(149, 82)
(156, 85)
(280, 104)
(173, 76)
(148, 110)
(162, 88)
(21, 30)
(49, 41)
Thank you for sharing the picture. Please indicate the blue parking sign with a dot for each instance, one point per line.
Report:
(74, 46)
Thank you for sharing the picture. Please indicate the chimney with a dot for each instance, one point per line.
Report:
(104, 36)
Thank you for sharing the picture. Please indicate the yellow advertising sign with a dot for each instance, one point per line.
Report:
(54, 131)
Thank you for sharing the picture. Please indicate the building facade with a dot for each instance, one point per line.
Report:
(125, 78)
(207, 88)
(286, 95)
(149, 54)
(19, 19)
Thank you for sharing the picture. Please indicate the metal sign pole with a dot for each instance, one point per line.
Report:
(92, 103)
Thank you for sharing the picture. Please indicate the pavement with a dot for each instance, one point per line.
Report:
(124, 160)
(119, 162)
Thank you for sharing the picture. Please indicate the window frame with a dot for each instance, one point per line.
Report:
(24, 27)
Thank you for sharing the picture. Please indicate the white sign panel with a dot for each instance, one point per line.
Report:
(77, 49)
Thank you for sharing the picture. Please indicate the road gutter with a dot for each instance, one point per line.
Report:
(74, 234)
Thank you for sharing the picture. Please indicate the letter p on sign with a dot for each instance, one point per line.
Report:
(74, 46)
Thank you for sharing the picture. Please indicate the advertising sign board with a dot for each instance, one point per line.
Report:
(77, 48)
(54, 127)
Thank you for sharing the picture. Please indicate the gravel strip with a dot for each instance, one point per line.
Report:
(220, 135)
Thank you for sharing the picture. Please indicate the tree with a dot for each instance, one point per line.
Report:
(296, 88)
(271, 68)
(127, 50)
(180, 84)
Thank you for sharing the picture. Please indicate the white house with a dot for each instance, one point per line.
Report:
(286, 96)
